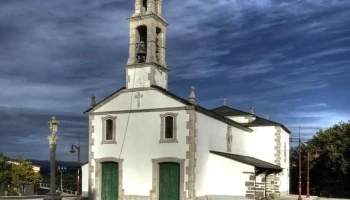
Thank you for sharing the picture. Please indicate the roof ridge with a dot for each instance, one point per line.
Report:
(92, 107)
(235, 109)
(201, 108)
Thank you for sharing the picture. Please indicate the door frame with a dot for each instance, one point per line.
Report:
(155, 176)
(98, 175)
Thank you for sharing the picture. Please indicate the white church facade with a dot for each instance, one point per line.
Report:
(146, 143)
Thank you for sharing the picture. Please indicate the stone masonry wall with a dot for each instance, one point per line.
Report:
(250, 187)
(255, 187)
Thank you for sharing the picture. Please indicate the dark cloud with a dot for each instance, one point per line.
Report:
(286, 58)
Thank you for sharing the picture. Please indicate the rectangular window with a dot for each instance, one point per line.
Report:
(109, 130)
(169, 127)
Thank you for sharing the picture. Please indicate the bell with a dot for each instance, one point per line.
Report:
(141, 51)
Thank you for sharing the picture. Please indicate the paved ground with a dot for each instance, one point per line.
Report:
(35, 198)
(295, 197)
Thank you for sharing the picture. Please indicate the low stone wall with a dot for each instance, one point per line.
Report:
(134, 197)
(220, 197)
(255, 187)
(23, 197)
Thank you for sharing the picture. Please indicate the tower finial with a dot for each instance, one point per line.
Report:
(252, 110)
(93, 102)
(225, 102)
(192, 97)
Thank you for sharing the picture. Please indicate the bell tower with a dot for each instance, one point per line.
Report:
(146, 65)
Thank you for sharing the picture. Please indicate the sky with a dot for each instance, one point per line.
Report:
(290, 59)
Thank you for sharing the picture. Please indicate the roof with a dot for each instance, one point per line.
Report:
(228, 111)
(265, 122)
(88, 110)
(198, 108)
(248, 160)
(17, 161)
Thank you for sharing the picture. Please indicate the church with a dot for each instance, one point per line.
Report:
(146, 143)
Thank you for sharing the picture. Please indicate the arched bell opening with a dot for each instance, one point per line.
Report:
(141, 43)
(144, 6)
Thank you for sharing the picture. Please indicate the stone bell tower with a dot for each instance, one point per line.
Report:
(146, 64)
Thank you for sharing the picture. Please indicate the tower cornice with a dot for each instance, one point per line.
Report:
(141, 65)
(137, 17)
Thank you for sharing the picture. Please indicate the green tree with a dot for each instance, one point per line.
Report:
(23, 174)
(329, 173)
(5, 172)
(69, 181)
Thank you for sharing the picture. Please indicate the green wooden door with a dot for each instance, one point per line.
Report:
(110, 181)
(169, 181)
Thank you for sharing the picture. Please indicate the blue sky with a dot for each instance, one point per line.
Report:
(290, 59)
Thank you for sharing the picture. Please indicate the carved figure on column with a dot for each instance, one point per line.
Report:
(229, 138)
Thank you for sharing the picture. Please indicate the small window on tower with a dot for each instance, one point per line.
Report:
(168, 128)
(144, 6)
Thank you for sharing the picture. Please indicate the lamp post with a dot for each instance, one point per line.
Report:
(78, 180)
(52, 195)
(294, 165)
(61, 169)
(315, 155)
(299, 198)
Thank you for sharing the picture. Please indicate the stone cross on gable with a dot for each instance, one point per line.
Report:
(138, 97)
(229, 138)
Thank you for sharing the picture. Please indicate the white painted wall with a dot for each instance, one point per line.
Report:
(138, 77)
(211, 135)
(262, 147)
(151, 99)
(284, 179)
(161, 78)
(239, 119)
(140, 147)
(224, 176)
(85, 180)
(262, 143)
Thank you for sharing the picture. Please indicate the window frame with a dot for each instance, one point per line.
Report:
(104, 129)
(162, 128)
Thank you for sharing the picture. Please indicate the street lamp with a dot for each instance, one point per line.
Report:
(61, 169)
(315, 154)
(53, 195)
(294, 165)
(78, 180)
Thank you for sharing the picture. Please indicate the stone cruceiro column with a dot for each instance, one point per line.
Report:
(52, 195)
